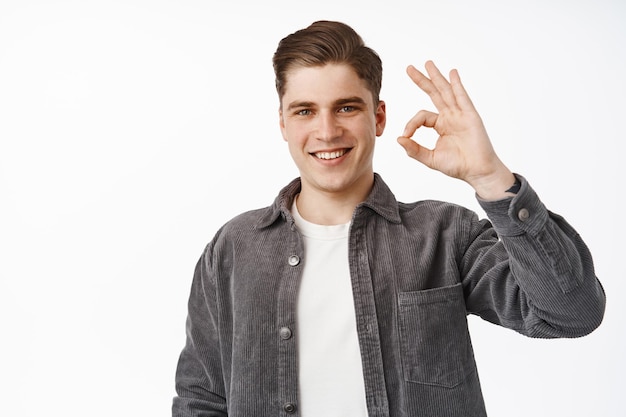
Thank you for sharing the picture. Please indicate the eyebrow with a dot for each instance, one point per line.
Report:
(297, 104)
(339, 102)
(350, 100)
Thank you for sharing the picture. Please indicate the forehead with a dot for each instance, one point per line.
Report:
(324, 83)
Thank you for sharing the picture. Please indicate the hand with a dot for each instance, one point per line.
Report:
(463, 149)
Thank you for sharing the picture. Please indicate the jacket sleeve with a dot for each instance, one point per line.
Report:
(530, 271)
(199, 376)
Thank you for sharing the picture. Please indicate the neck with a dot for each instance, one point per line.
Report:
(329, 208)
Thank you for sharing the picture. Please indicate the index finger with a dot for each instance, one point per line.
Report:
(437, 87)
(441, 83)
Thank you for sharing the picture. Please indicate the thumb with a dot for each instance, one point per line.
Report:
(416, 151)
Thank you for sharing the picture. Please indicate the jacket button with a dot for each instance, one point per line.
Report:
(289, 408)
(523, 214)
(285, 333)
(294, 260)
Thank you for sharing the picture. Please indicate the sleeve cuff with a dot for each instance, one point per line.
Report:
(513, 216)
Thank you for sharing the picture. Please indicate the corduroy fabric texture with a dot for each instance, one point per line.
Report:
(417, 271)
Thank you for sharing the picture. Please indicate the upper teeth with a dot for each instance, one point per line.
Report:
(330, 155)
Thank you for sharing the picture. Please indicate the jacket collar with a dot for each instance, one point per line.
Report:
(380, 200)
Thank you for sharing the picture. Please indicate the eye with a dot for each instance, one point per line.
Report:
(347, 109)
(303, 112)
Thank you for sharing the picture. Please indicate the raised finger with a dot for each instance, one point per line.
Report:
(441, 84)
(462, 98)
(427, 86)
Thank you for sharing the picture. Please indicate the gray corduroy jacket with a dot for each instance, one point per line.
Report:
(417, 271)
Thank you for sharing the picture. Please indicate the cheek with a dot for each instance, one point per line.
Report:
(291, 138)
(296, 152)
(293, 134)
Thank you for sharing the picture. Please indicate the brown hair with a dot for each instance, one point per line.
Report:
(325, 42)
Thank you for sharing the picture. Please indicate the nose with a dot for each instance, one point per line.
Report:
(328, 127)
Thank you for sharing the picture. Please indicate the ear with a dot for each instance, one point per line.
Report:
(381, 118)
(281, 123)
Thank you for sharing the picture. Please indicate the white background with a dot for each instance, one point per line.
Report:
(131, 130)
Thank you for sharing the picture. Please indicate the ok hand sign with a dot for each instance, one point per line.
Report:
(463, 149)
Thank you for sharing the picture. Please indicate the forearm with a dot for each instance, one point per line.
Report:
(547, 287)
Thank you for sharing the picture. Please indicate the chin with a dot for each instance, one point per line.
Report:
(338, 185)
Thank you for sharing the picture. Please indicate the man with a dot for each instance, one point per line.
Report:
(338, 300)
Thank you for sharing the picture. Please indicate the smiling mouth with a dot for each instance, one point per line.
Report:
(331, 155)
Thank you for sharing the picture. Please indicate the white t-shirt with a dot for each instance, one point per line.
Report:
(330, 373)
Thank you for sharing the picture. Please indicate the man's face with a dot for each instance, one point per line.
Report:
(330, 122)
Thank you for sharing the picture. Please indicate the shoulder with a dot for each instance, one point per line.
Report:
(239, 231)
(244, 223)
(247, 227)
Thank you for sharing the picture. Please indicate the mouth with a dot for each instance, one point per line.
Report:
(331, 155)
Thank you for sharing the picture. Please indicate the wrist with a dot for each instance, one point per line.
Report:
(500, 185)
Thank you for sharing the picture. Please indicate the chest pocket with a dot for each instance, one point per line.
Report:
(434, 338)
